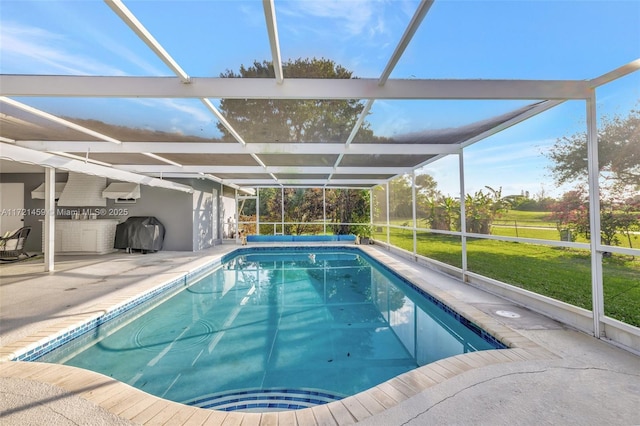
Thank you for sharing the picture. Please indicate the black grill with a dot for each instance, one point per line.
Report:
(144, 233)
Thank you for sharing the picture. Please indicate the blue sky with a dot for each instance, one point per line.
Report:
(458, 39)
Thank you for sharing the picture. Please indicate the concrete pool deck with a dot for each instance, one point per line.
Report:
(551, 375)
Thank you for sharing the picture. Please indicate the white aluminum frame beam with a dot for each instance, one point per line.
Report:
(132, 22)
(409, 32)
(75, 126)
(540, 108)
(232, 148)
(207, 103)
(215, 111)
(159, 158)
(543, 106)
(272, 31)
(29, 156)
(86, 159)
(293, 88)
(58, 120)
(239, 183)
(622, 71)
(417, 18)
(334, 183)
(354, 131)
(361, 118)
(129, 18)
(262, 170)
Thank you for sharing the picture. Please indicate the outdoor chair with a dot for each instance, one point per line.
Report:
(13, 242)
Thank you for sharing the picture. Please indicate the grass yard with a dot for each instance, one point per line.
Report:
(560, 273)
(536, 225)
(522, 218)
(522, 224)
(528, 232)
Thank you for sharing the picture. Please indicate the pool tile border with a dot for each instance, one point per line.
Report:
(140, 407)
(291, 399)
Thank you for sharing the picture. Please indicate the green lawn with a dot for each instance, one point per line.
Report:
(534, 225)
(529, 232)
(521, 218)
(563, 274)
(530, 225)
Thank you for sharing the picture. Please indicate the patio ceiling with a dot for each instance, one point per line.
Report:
(131, 150)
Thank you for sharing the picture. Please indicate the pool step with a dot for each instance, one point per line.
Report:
(264, 400)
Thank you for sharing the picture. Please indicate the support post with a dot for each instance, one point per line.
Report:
(386, 190)
(597, 288)
(463, 215)
(257, 211)
(414, 213)
(49, 218)
(371, 208)
(237, 218)
(324, 210)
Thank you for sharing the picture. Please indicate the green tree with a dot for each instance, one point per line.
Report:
(619, 217)
(426, 189)
(629, 222)
(285, 120)
(483, 208)
(270, 210)
(618, 153)
(450, 208)
(347, 206)
(442, 212)
(619, 168)
(279, 120)
(303, 209)
(426, 185)
(400, 197)
(571, 214)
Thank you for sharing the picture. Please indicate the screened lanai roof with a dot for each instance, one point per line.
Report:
(135, 89)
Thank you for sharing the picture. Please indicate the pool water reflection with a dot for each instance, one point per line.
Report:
(327, 322)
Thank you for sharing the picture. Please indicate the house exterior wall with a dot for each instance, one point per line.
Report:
(171, 208)
(191, 221)
(31, 181)
(205, 214)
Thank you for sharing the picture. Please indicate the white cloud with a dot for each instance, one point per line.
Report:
(185, 116)
(121, 50)
(507, 153)
(388, 120)
(43, 52)
(514, 167)
(252, 13)
(353, 18)
(29, 49)
(196, 112)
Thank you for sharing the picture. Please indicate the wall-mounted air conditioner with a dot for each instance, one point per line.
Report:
(122, 192)
(124, 200)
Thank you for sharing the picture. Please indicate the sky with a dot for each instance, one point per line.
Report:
(508, 39)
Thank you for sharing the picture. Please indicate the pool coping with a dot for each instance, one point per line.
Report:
(139, 407)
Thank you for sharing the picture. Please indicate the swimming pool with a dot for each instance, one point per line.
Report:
(280, 329)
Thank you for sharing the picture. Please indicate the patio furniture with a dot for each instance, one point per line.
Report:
(13, 242)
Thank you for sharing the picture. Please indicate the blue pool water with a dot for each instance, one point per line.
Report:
(280, 329)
